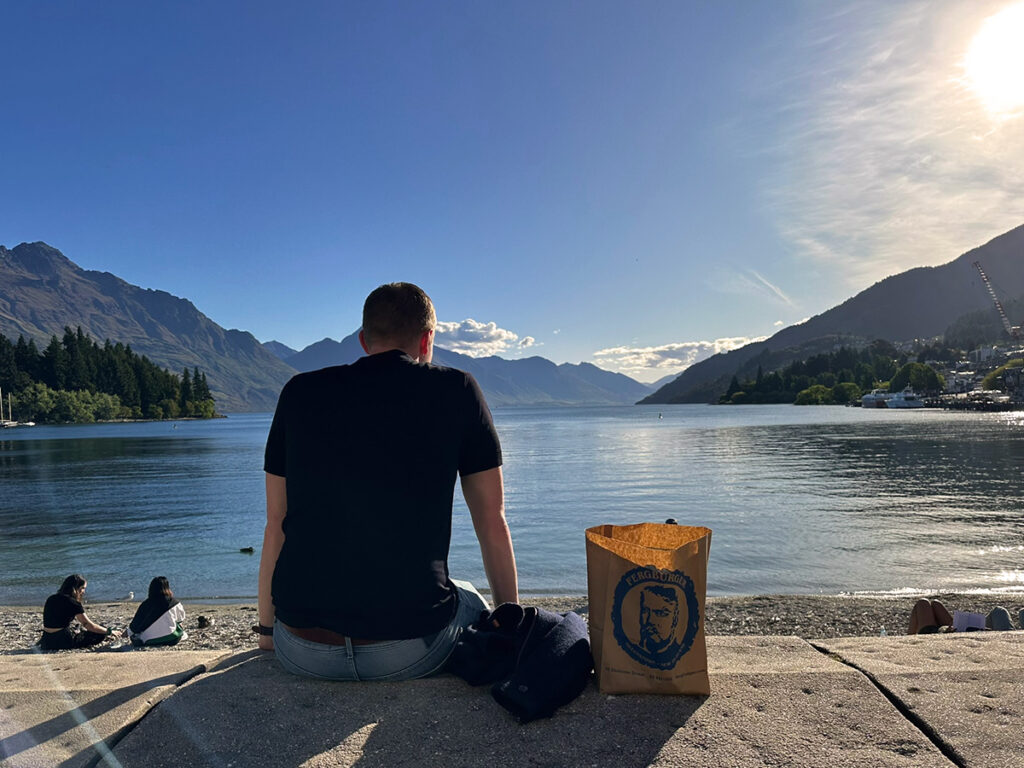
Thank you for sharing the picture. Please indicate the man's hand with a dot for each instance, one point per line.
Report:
(266, 642)
(485, 496)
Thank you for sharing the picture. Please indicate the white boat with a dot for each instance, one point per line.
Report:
(908, 398)
(9, 422)
(877, 398)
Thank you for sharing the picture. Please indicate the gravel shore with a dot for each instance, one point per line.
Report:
(227, 626)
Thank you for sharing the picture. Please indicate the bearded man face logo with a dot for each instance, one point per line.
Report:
(659, 615)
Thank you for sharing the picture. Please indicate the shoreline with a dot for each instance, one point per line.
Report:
(806, 616)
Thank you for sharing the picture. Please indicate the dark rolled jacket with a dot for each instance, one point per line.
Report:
(535, 660)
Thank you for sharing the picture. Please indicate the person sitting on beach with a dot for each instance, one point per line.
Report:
(60, 610)
(158, 620)
(361, 463)
(930, 616)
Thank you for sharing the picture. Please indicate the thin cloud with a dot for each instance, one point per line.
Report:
(748, 282)
(650, 363)
(887, 159)
(773, 289)
(477, 339)
(761, 283)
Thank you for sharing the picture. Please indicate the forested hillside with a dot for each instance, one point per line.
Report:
(920, 303)
(43, 292)
(838, 377)
(74, 379)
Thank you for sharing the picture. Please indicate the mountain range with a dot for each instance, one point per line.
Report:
(42, 292)
(526, 381)
(920, 303)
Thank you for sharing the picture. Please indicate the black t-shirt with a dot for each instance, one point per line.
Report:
(371, 452)
(60, 610)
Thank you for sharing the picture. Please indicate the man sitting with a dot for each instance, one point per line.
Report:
(361, 463)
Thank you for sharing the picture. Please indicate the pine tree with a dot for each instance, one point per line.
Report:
(77, 369)
(55, 365)
(199, 386)
(185, 394)
(8, 365)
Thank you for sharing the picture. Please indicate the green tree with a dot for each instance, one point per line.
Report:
(8, 365)
(105, 407)
(917, 376)
(170, 408)
(185, 394)
(815, 395)
(55, 364)
(26, 357)
(846, 392)
(200, 387)
(34, 403)
(81, 367)
(204, 409)
(994, 380)
(72, 407)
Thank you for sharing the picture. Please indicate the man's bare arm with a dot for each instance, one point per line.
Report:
(273, 539)
(485, 496)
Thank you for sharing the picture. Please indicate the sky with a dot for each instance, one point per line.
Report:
(633, 184)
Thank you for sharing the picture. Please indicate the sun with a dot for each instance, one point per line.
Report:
(995, 62)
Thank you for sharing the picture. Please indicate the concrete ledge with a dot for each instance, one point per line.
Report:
(965, 689)
(771, 712)
(68, 708)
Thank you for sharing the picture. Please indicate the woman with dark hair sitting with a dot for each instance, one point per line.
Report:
(159, 617)
(60, 610)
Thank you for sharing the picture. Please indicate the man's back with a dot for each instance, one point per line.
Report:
(371, 452)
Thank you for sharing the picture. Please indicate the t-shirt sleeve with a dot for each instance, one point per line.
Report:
(60, 609)
(274, 455)
(480, 449)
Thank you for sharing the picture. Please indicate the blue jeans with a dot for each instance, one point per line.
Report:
(387, 660)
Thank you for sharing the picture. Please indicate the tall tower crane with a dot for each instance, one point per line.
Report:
(1012, 330)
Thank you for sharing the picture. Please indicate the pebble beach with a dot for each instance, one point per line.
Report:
(227, 626)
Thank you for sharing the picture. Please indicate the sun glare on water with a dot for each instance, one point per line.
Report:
(995, 62)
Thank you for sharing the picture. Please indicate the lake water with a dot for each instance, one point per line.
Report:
(800, 500)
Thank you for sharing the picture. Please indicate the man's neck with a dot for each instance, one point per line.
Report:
(384, 349)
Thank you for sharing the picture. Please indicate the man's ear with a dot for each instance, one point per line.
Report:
(425, 343)
(362, 342)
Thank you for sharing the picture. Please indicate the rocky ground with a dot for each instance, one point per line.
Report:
(808, 616)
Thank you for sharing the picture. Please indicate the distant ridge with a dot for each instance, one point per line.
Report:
(529, 381)
(278, 350)
(42, 291)
(918, 303)
(327, 352)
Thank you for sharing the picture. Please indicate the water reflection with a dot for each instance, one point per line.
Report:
(799, 500)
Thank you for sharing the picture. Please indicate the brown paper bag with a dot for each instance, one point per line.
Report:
(647, 585)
